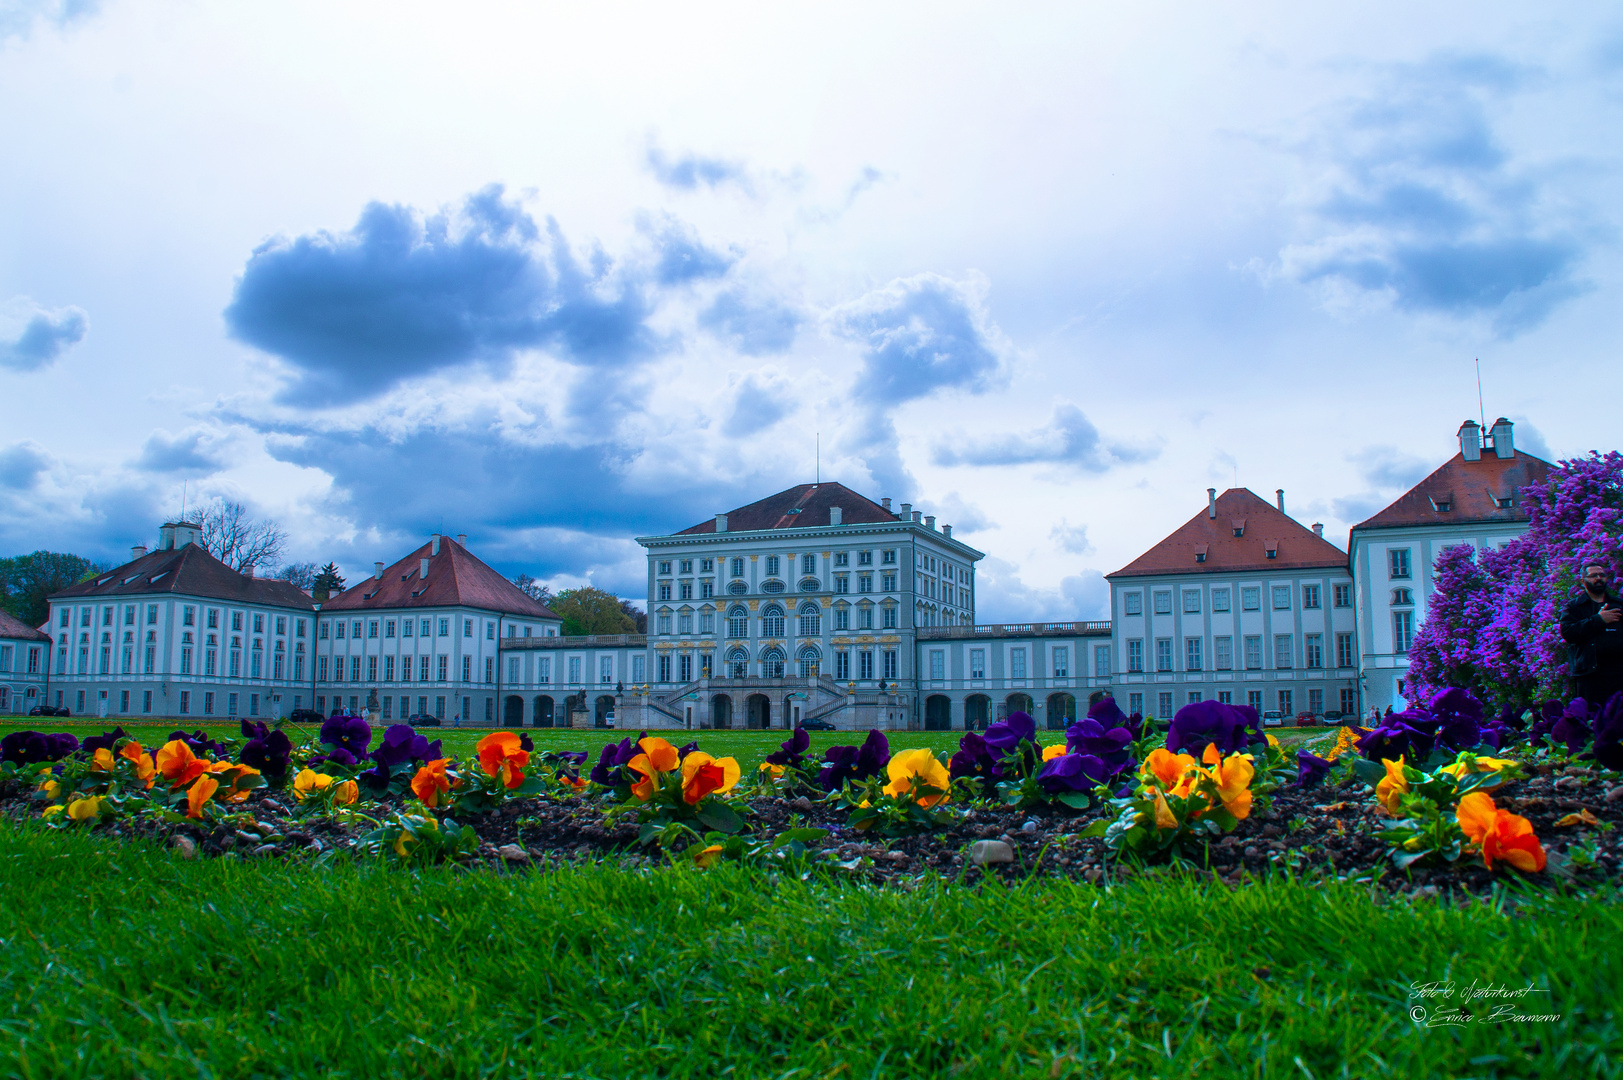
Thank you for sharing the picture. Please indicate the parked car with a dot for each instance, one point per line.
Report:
(1273, 718)
(1333, 716)
(48, 710)
(423, 720)
(1306, 719)
(305, 716)
(817, 725)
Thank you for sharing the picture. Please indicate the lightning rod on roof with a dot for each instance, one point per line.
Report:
(1482, 412)
(819, 468)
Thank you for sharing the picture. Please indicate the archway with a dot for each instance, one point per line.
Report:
(605, 710)
(977, 712)
(1061, 711)
(758, 712)
(513, 711)
(543, 711)
(721, 711)
(1017, 703)
(937, 713)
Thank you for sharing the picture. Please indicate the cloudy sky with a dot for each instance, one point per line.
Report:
(561, 276)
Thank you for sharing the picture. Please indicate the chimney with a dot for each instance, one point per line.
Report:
(885, 502)
(434, 544)
(835, 515)
(1504, 443)
(1470, 441)
(907, 511)
(929, 522)
(377, 570)
(166, 537)
(248, 570)
(1211, 503)
(1318, 529)
(918, 515)
(461, 539)
(1279, 499)
(721, 522)
(422, 571)
(137, 551)
(946, 530)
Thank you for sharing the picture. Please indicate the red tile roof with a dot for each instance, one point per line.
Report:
(1265, 527)
(1470, 490)
(187, 571)
(455, 579)
(800, 507)
(14, 628)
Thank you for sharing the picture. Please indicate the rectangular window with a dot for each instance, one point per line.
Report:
(1253, 652)
(1282, 651)
(188, 615)
(890, 664)
(185, 702)
(1398, 562)
(1287, 706)
(1282, 597)
(1310, 597)
(543, 669)
(1017, 663)
(605, 669)
(574, 670)
(1313, 651)
(707, 566)
(1163, 654)
(864, 583)
(842, 665)
(1349, 701)
(439, 707)
(1101, 660)
(1253, 698)
(321, 632)
(842, 583)
(707, 589)
(152, 615)
(1251, 598)
(1135, 704)
(467, 669)
(371, 669)
(1344, 650)
(890, 618)
(687, 566)
(738, 568)
(684, 668)
(977, 663)
(1191, 601)
(1193, 697)
(865, 664)
(1402, 631)
(372, 629)
(1225, 697)
(1062, 661)
(1341, 595)
(639, 668)
(686, 592)
(321, 669)
(1163, 603)
(354, 668)
(129, 617)
(1315, 702)
(340, 628)
(808, 564)
(422, 669)
(664, 590)
(707, 622)
(889, 582)
(1135, 654)
(1164, 712)
(842, 558)
(388, 669)
(445, 669)
(1223, 653)
(445, 628)
(1220, 599)
(230, 704)
(864, 558)
(665, 566)
(771, 566)
(1191, 653)
(938, 665)
(664, 667)
(888, 557)
(662, 624)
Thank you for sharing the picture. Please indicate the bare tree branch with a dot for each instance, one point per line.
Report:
(301, 574)
(239, 541)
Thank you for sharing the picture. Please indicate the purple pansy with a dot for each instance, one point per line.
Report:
(348, 733)
(1311, 769)
(793, 750)
(107, 740)
(607, 770)
(1203, 723)
(266, 750)
(1113, 747)
(1009, 733)
(1071, 772)
(843, 763)
(33, 747)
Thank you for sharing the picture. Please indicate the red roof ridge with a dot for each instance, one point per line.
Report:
(456, 578)
(812, 501)
(1264, 526)
(1468, 489)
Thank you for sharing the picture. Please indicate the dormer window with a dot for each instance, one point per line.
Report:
(1442, 503)
(1505, 503)
(1200, 552)
(1239, 526)
(1271, 547)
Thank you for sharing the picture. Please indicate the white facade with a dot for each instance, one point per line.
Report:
(24, 662)
(1281, 642)
(970, 676)
(124, 648)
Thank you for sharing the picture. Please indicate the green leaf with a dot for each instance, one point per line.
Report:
(1402, 859)
(532, 785)
(720, 817)
(1097, 829)
(1077, 800)
(1370, 772)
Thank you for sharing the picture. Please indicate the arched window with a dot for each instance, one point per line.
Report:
(810, 658)
(738, 588)
(772, 622)
(772, 664)
(772, 586)
(811, 619)
(738, 664)
(738, 622)
(809, 584)
(1402, 596)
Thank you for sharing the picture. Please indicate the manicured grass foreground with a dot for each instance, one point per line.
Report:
(123, 960)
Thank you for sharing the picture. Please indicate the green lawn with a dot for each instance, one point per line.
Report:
(119, 959)
(749, 747)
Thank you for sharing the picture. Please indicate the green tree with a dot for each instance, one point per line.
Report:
(26, 581)
(328, 582)
(592, 611)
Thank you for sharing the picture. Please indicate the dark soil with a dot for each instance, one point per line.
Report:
(1327, 832)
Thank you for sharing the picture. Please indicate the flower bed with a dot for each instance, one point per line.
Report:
(1442, 796)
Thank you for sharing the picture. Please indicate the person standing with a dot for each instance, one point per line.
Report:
(1592, 626)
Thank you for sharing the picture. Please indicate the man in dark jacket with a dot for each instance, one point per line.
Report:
(1592, 627)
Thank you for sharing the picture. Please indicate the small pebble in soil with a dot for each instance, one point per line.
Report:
(1030, 826)
(1615, 794)
(982, 852)
(1252, 851)
(513, 853)
(185, 847)
(265, 849)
